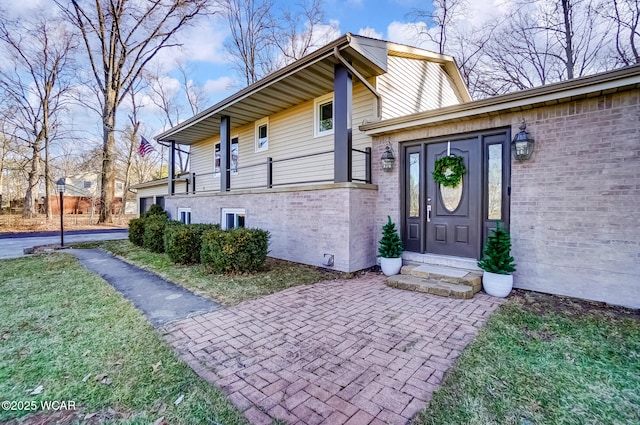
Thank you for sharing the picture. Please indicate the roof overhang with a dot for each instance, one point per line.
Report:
(623, 79)
(305, 79)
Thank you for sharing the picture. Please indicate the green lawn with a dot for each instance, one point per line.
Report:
(228, 290)
(546, 360)
(59, 324)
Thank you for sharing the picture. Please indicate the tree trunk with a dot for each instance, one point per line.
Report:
(108, 164)
(568, 33)
(32, 183)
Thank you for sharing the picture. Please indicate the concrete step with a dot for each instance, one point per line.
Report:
(441, 260)
(445, 274)
(431, 286)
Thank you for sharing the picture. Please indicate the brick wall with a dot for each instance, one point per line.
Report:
(304, 222)
(575, 205)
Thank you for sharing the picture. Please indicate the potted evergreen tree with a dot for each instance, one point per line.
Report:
(390, 249)
(497, 264)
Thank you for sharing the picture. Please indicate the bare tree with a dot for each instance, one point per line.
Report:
(121, 37)
(251, 23)
(35, 85)
(625, 16)
(444, 15)
(299, 31)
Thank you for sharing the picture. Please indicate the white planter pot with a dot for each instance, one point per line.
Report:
(498, 285)
(390, 266)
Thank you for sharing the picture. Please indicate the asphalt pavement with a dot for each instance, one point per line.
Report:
(12, 245)
(161, 301)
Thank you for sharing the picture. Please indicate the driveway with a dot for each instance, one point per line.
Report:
(348, 351)
(12, 245)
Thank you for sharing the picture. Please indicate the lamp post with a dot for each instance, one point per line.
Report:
(60, 184)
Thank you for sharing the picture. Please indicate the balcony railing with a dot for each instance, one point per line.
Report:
(265, 178)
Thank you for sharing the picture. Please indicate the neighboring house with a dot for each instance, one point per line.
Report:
(284, 156)
(82, 195)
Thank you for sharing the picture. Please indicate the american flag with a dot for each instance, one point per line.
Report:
(145, 147)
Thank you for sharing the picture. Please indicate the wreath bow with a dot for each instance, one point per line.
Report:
(448, 170)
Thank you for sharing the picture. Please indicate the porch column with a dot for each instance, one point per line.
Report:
(342, 101)
(225, 153)
(171, 169)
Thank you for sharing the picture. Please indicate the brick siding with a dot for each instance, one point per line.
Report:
(575, 205)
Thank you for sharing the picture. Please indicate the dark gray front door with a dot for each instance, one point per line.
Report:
(455, 221)
(453, 215)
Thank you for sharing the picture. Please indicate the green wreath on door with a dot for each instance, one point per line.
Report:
(448, 170)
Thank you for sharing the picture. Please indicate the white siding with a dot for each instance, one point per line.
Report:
(291, 134)
(414, 85)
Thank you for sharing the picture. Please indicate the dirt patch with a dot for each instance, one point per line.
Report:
(11, 223)
(545, 303)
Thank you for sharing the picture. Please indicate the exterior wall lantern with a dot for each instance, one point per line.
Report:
(61, 186)
(522, 145)
(387, 159)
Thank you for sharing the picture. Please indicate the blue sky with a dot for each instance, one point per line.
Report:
(386, 19)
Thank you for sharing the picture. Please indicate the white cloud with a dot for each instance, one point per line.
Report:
(203, 42)
(370, 32)
(409, 33)
(219, 87)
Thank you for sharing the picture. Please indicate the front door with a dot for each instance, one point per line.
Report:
(452, 220)
(453, 213)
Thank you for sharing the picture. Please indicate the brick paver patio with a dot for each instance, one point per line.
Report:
(350, 351)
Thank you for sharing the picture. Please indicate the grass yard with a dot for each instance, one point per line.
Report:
(68, 331)
(228, 290)
(546, 360)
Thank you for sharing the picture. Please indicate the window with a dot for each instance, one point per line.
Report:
(88, 184)
(232, 218)
(262, 135)
(234, 157)
(184, 215)
(119, 186)
(323, 115)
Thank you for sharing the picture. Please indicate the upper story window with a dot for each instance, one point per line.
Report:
(262, 134)
(323, 115)
(88, 184)
(234, 157)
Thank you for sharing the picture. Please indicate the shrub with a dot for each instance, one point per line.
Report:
(155, 210)
(235, 250)
(182, 243)
(495, 257)
(154, 227)
(136, 231)
(390, 244)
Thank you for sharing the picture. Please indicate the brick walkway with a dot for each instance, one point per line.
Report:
(353, 351)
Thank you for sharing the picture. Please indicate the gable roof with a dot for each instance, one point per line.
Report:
(303, 80)
(627, 78)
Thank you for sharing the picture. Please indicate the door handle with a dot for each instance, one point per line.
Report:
(428, 213)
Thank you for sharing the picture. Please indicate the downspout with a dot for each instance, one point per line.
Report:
(352, 70)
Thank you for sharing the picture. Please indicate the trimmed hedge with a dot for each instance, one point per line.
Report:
(154, 228)
(136, 231)
(182, 243)
(155, 210)
(235, 250)
(136, 226)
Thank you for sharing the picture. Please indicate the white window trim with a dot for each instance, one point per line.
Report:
(216, 174)
(316, 114)
(184, 210)
(260, 123)
(225, 211)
